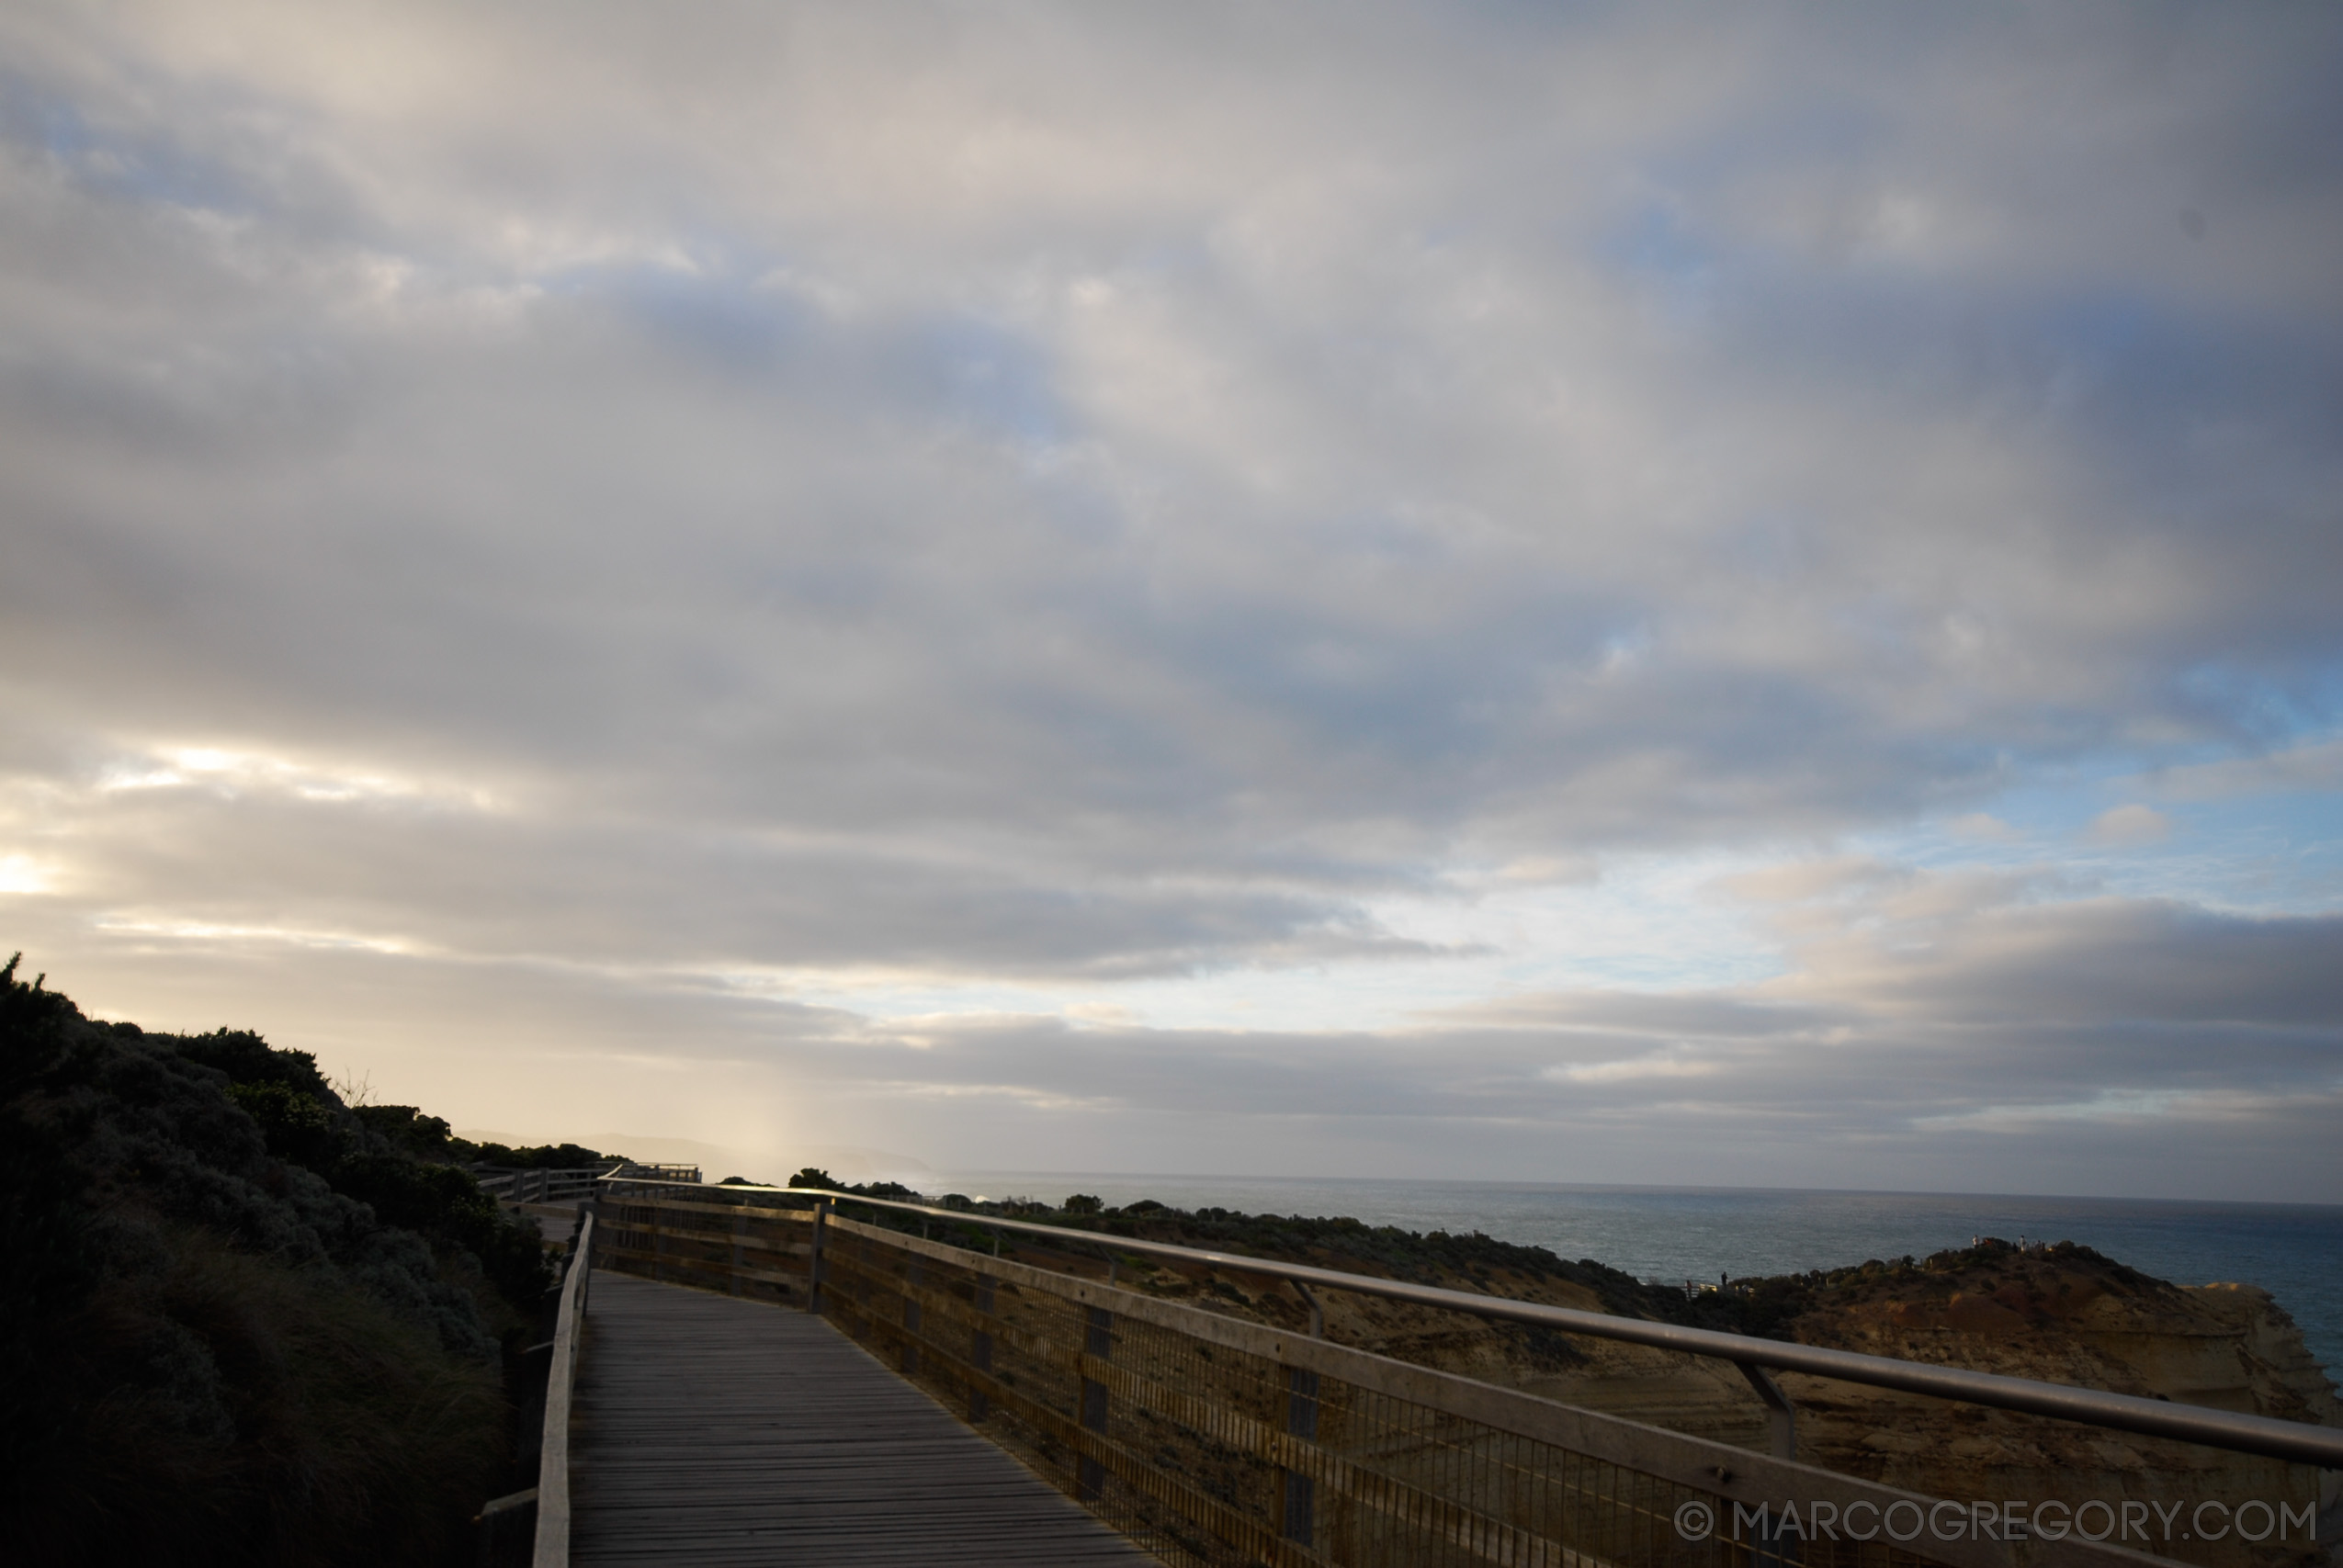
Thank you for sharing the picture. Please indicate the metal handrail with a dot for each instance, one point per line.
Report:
(2296, 1442)
(552, 1548)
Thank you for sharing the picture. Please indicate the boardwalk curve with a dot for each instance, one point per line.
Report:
(710, 1431)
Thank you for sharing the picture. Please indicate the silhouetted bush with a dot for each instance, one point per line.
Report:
(406, 1127)
(239, 1323)
(540, 1156)
(441, 1200)
(297, 1125)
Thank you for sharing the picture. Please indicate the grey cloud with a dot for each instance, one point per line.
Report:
(2312, 767)
(436, 876)
(1636, 1019)
(2134, 961)
(1073, 495)
(2165, 1000)
(2205, 1084)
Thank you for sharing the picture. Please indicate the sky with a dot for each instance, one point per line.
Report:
(1574, 592)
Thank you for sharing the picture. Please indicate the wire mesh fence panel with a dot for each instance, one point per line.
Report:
(760, 1252)
(1210, 1454)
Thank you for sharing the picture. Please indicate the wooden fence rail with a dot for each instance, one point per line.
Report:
(1217, 1442)
(552, 1549)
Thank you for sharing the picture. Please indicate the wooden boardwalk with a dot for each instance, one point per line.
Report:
(709, 1431)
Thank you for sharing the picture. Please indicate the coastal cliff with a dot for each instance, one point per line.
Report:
(2061, 1313)
(2066, 1314)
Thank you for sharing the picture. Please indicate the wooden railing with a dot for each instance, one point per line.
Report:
(540, 1186)
(552, 1549)
(1213, 1440)
(568, 1183)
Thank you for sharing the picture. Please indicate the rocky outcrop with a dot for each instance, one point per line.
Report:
(2061, 1315)
(2067, 1314)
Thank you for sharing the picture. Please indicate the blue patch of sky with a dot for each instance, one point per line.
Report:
(139, 166)
(2273, 709)
(1659, 247)
(713, 309)
(2271, 851)
(995, 378)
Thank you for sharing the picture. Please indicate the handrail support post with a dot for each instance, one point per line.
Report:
(1098, 1341)
(1781, 1414)
(980, 1349)
(1300, 1523)
(813, 1262)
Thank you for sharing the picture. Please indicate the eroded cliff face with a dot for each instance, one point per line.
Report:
(2062, 1314)
(2068, 1315)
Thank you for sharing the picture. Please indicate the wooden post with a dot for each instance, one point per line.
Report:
(911, 1318)
(1098, 1340)
(980, 1353)
(739, 1261)
(813, 1262)
(1301, 1421)
(581, 1246)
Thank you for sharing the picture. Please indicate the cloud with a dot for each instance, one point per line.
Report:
(2132, 966)
(2313, 768)
(2132, 823)
(23, 873)
(2116, 1046)
(1629, 1069)
(1076, 500)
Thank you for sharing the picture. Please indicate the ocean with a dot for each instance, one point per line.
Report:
(1677, 1234)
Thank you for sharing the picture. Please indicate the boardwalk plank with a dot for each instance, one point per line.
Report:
(715, 1431)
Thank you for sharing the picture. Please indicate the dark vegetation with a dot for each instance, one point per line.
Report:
(1766, 1307)
(1353, 1245)
(809, 1176)
(242, 1321)
(540, 1156)
(1769, 1306)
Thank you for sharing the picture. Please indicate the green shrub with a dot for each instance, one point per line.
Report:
(406, 1127)
(443, 1201)
(247, 1058)
(207, 1353)
(297, 1125)
(248, 1411)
